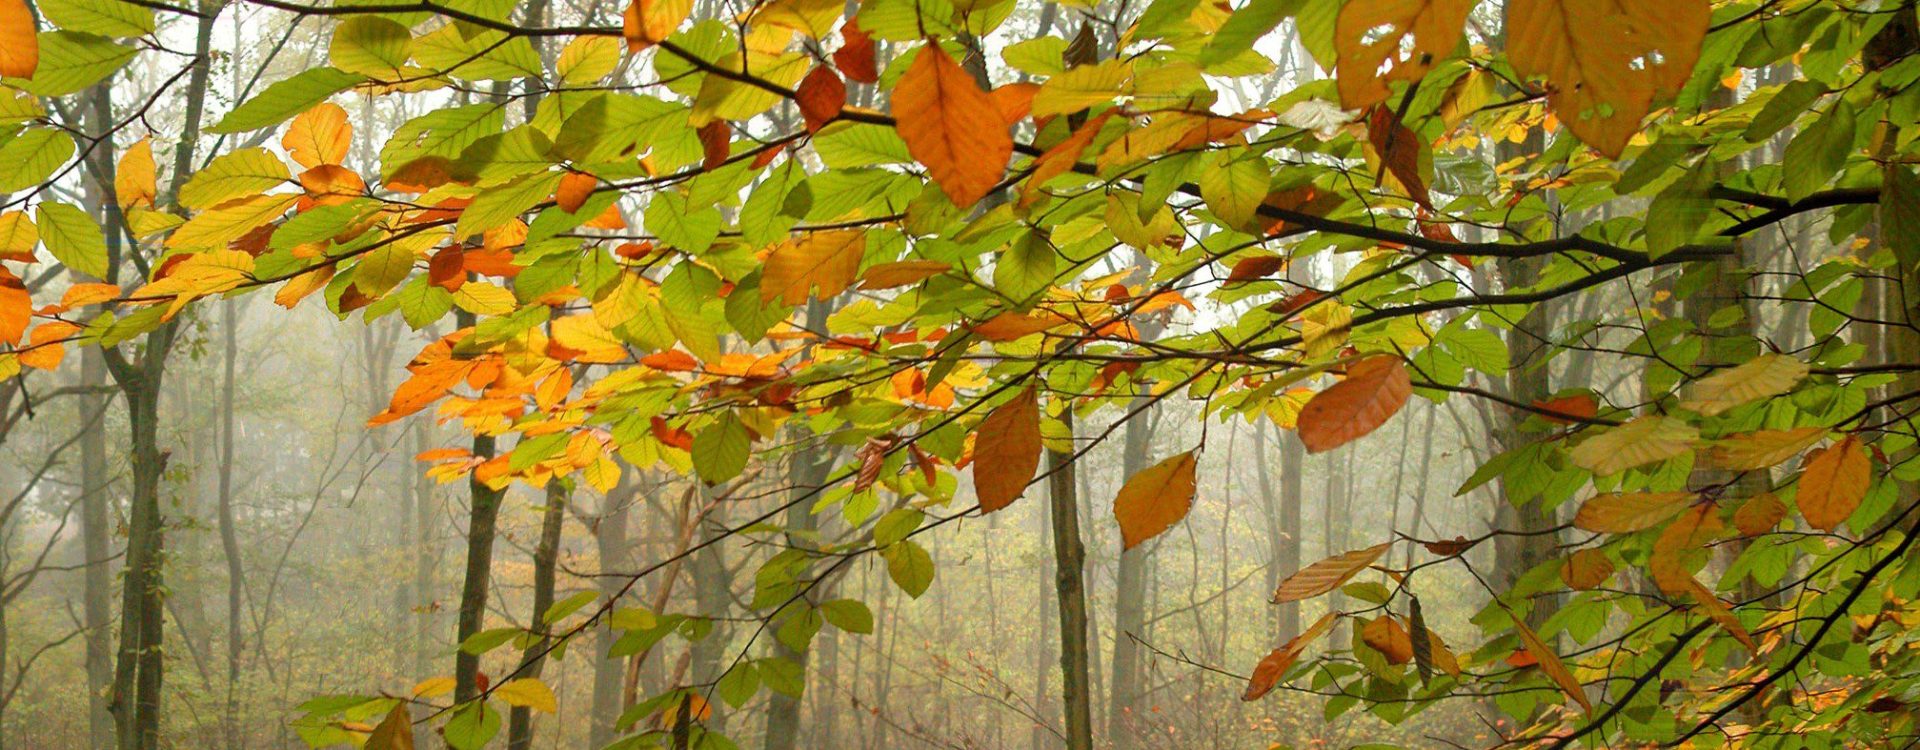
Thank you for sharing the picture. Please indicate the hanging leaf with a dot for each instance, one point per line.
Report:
(951, 126)
(16, 308)
(1833, 482)
(855, 56)
(1606, 63)
(135, 178)
(649, 22)
(320, 135)
(395, 732)
(1060, 159)
(1586, 569)
(1006, 451)
(242, 173)
(1385, 635)
(1407, 37)
(821, 263)
(1765, 376)
(820, 96)
(1626, 512)
(1375, 388)
(902, 273)
(1328, 574)
(1155, 499)
(1719, 612)
(1639, 442)
(1275, 665)
(528, 692)
(1549, 663)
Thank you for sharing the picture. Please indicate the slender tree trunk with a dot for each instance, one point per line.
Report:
(1070, 585)
(229, 536)
(610, 536)
(482, 517)
(426, 555)
(96, 527)
(1127, 679)
(807, 471)
(545, 555)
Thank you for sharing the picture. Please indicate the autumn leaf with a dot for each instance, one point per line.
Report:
(16, 307)
(1832, 483)
(1400, 151)
(574, 190)
(1274, 666)
(716, 144)
(1060, 159)
(1606, 63)
(1570, 409)
(1385, 635)
(1586, 569)
(951, 126)
(1765, 376)
(1412, 35)
(1626, 512)
(1639, 442)
(901, 273)
(1327, 575)
(649, 22)
(19, 41)
(1681, 548)
(1255, 268)
(855, 55)
(1374, 389)
(1006, 451)
(1763, 449)
(320, 135)
(395, 732)
(820, 96)
(1759, 514)
(824, 262)
(135, 177)
(1155, 499)
(1549, 663)
(1719, 612)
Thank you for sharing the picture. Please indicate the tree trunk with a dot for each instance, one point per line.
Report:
(229, 536)
(1070, 585)
(610, 537)
(545, 555)
(807, 472)
(1127, 679)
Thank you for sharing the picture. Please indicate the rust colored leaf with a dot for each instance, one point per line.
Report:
(716, 144)
(1375, 388)
(901, 273)
(1833, 482)
(1060, 159)
(1257, 267)
(951, 127)
(1569, 409)
(821, 96)
(855, 56)
(1385, 635)
(1719, 612)
(1586, 569)
(1759, 514)
(1412, 35)
(1328, 574)
(1606, 63)
(1268, 673)
(1400, 149)
(1452, 547)
(1155, 499)
(1625, 512)
(1006, 451)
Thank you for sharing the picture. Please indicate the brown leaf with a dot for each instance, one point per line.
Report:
(1385, 635)
(1717, 610)
(1763, 449)
(1681, 548)
(1450, 547)
(716, 144)
(1155, 499)
(1577, 407)
(821, 96)
(1626, 512)
(1268, 673)
(1256, 267)
(1549, 663)
(1374, 389)
(1400, 149)
(1327, 575)
(1833, 482)
(951, 127)
(1586, 569)
(1006, 451)
(855, 56)
(393, 733)
(1759, 514)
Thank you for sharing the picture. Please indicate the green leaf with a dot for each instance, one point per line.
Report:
(668, 217)
(1233, 188)
(248, 171)
(488, 640)
(567, 606)
(858, 144)
(1681, 211)
(28, 159)
(1243, 28)
(105, 17)
(444, 133)
(1026, 268)
(1819, 151)
(72, 237)
(910, 567)
(739, 684)
(850, 615)
(498, 205)
(472, 727)
(71, 61)
(1785, 106)
(370, 45)
(721, 450)
(286, 98)
(894, 527)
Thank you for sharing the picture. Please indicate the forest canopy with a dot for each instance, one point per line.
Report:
(419, 346)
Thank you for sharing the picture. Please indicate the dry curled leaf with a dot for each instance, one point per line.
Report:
(1327, 575)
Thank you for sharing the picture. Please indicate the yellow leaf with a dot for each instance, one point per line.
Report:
(648, 22)
(245, 172)
(395, 732)
(1606, 63)
(320, 135)
(1833, 482)
(1006, 451)
(727, 99)
(481, 298)
(1370, 34)
(19, 40)
(587, 59)
(529, 692)
(298, 287)
(951, 126)
(433, 687)
(1328, 574)
(216, 227)
(1641, 441)
(18, 236)
(1082, 87)
(1625, 512)
(824, 262)
(1155, 499)
(134, 178)
(584, 334)
(1762, 377)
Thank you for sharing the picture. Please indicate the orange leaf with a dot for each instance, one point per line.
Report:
(716, 144)
(1759, 514)
(951, 126)
(1624, 512)
(855, 56)
(1568, 409)
(1833, 482)
(81, 295)
(1061, 158)
(1155, 499)
(134, 178)
(1550, 663)
(1328, 574)
(574, 190)
(1763, 449)
(16, 307)
(1400, 149)
(902, 273)
(1385, 635)
(429, 382)
(1256, 267)
(1606, 63)
(821, 96)
(1015, 100)
(1006, 451)
(1371, 33)
(19, 40)
(1586, 569)
(1374, 389)
(1008, 326)
(320, 135)
(648, 22)
(1717, 611)
(1275, 665)
(826, 262)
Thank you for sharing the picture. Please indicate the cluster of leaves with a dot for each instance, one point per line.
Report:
(741, 260)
